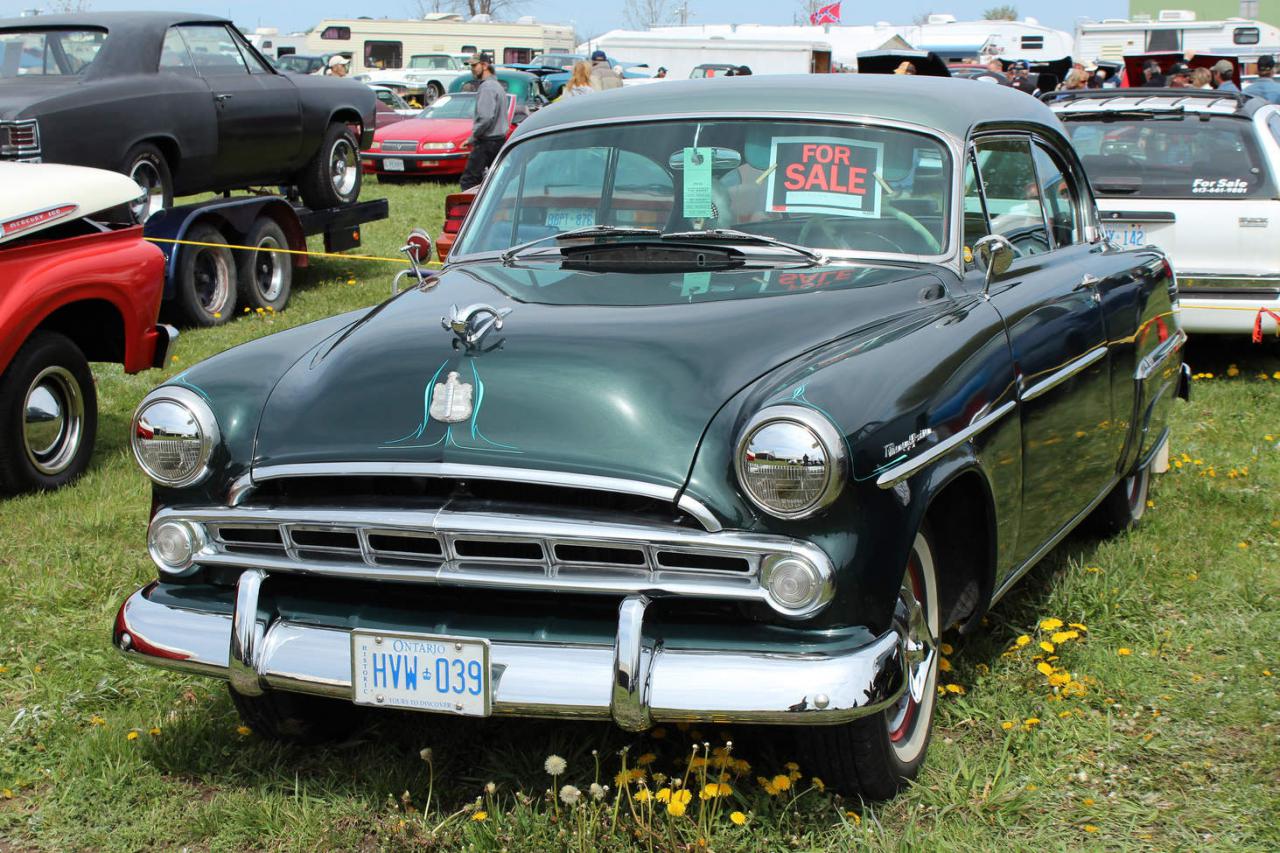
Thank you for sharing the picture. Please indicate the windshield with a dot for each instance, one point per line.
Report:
(461, 105)
(1171, 156)
(840, 188)
(553, 60)
(437, 60)
(49, 52)
(299, 64)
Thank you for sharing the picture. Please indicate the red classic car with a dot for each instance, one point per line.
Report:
(431, 144)
(80, 285)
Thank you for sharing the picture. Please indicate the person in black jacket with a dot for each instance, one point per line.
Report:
(1154, 77)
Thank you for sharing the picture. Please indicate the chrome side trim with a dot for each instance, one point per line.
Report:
(548, 679)
(243, 486)
(898, 473)
(654, 572)
(1153, 360)
(1053, 380)
(629, 703)
(247, 633)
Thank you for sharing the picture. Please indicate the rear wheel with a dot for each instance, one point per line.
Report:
(296, 717)
(265, 277)
(875, 757)
(150, 171)
(48, 415)
(206, 278)
(434, 90)
(332, 178)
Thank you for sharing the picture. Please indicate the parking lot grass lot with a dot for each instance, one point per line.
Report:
(1156, 726)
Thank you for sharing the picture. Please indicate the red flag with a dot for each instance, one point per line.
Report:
(826, 15)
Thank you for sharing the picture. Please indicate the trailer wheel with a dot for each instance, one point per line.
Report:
(150, 171)
(206, 278)
(332, 178)
(265, 277)
(48, 415)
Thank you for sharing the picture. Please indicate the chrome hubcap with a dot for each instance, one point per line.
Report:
(908, 720)
(268, 270)
(212, 280)
(53, 420)
(344, 167)
(147, 177)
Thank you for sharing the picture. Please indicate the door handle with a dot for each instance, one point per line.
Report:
(1087, 282)
(223, 97)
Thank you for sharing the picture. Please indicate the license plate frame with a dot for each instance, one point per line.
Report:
(365, 689)
(1125, 233)
(393, 164)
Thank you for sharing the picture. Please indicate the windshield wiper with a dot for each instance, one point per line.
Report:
(731, 235)
(580, 233)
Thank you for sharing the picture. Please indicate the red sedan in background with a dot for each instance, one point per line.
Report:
(430, 145)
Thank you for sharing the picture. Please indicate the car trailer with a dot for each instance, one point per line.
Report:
(206, 280)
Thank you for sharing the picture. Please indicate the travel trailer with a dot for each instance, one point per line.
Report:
(1173, 30)
(382, 44)
(684, 49)
(271, 44)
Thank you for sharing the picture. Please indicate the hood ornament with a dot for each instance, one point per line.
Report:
(472, 323)
(451, 400)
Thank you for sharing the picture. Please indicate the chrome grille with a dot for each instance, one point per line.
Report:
(399, 145)
(477, 549)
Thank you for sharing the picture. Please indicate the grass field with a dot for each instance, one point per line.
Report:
(1161, 732)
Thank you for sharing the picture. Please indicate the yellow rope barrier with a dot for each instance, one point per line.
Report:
(310, 254)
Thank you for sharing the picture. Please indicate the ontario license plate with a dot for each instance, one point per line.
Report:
(571, 217)
(1126, 233)
(393, 165)
(420, 672)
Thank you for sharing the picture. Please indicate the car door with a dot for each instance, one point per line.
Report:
(259, 111)
(1053, 317)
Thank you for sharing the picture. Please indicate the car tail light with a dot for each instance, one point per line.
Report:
(19, 139)
(455, 210)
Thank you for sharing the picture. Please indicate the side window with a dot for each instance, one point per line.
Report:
(336, 33)
(975, 216)
(1013, 194)
(214, 50)
(383, 54)
(174, 55)
(1245, 35)
(1061, 198)
(251, 59)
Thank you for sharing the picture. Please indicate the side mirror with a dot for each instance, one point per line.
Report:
(417, 248)
(995, 255)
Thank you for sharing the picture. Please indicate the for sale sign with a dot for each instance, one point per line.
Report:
(829, 175)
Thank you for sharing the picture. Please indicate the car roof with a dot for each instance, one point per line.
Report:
(112, 19)
(952, 106)
(1201, 101)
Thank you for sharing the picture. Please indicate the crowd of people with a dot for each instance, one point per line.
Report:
(1219, 76)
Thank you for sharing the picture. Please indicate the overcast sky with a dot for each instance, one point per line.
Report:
(595, 18)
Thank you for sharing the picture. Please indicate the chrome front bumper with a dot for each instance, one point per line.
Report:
(635, 681)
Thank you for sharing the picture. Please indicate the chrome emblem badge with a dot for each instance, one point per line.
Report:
(451, 400)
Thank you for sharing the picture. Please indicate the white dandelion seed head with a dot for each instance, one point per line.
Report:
(597, 791)
(490, 788)
(570, 795)
(555, 765)
(425, 754)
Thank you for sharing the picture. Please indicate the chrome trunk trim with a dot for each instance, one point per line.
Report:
(548, 679)
(244, 485)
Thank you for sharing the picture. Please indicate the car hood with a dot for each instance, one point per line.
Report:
(427, 129)
(610, 390)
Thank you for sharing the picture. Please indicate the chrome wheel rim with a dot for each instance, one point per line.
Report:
(344, 167)
(908, 720)
(147, 176)
(53, 420)
(212, 278)
(268, 270)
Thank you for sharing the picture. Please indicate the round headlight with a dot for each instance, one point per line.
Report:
(174, 545)
(791, 461)
(174, 433)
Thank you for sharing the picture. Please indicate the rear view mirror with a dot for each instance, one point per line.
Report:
(995, 255)
(722, 160)
(417, 248)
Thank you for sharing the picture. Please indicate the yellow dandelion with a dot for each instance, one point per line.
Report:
(714, 789)
(1063, 636)
(741, 765)
(154, 731)
(1087, 801)
(624, 777)
(679, 802)
(1050, 624)
(1022, 641)
(1232, 370)
(7, 793)
(480, 816)
(217, 315)
(738, 818)
(1059, 679)
(956, 689)
(646, 759)
(1064, 714)
(1006, 725)
(1242, 545)
(1123, 652)
(1088, 827)
(95, 720)
(1044, 668)
(133, 735)
(818, 783)
(781, 782)
(854, 817)
(944, 665)
(1047, 646)
(244, 731)
(663, 795)
(1077, 626)
(1267, 673)
(945, 648)
(791, 765)
(1031, 721)
(644, 795)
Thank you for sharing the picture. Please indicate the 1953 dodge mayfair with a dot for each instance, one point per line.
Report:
(715, 414)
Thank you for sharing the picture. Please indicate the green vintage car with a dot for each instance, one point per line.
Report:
(719, 412)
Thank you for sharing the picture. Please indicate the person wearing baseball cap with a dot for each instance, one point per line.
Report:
(338, 65)
(1223, 74)
(1180, 76)
(1266, 85)
(1151, 72)
(489, 128)
(603, 75)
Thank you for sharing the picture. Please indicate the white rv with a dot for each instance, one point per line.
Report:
(682, 49)
(1173, 30)
(388, 44)
(271, 44)
(967, 41)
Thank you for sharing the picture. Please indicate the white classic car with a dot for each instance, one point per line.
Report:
(1195, 172)
(425, 78)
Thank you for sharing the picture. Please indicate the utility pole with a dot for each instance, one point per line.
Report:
(683, 12)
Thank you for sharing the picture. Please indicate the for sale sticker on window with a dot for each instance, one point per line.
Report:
(824, 175)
